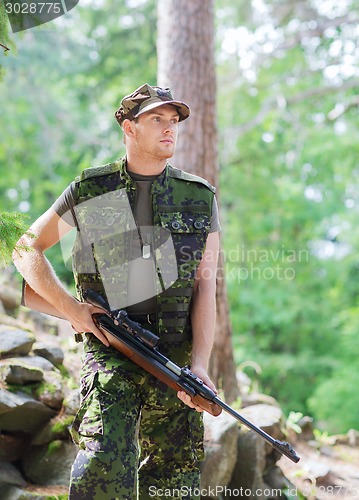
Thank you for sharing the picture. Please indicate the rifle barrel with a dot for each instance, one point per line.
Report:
(281, 446)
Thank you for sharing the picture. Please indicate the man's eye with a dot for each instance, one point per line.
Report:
(157, 119)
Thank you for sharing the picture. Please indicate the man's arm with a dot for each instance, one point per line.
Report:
(203, 314)
(40, 275)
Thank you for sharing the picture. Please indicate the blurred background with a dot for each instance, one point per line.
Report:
(288, 127)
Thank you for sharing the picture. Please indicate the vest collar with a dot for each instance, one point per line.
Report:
(159, 184)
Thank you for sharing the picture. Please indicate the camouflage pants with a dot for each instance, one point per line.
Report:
(136, 439)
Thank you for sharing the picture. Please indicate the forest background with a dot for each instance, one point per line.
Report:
(287, 107)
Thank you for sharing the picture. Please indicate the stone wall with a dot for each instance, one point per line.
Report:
(38, 401)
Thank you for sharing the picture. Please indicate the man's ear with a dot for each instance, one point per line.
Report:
(128, 127)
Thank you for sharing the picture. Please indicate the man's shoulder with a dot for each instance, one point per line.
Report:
(99, 171)
(176, 173)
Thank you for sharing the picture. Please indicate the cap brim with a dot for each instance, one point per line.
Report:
(183, 110)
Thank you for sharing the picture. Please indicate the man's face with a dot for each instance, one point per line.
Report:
(156, 132)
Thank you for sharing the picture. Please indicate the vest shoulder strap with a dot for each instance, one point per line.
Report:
(99, 171)
(186, 176)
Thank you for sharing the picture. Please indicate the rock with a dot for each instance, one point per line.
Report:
(277, 480)
(12, 447)
(50, 464)
(7, 320)
(220, 443)
(34, 427)
(34, 493)
(255, 455)
(318, 470)
(15, 493)
(351, 438)
(38, 361)
(306, 426)
(251, 462)
(39, 322)
(327, 451)
(13, 371)
(329, 479)
(72, 361)
(9, 475)
(7, 401)
(22, 413)
(57, 428)
(71, 402)
(10, 296)
(244, 382)
(255, 398)
(267, 417)
(14, 342)
(250, 465)
(50, 352)
(50, 391)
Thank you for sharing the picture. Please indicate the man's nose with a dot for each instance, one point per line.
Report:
(170, 127)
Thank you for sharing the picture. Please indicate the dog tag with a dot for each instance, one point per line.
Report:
(146, 251)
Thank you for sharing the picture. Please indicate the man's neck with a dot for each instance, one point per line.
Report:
(145, 166)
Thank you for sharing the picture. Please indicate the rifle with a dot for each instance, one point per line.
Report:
(140, 346)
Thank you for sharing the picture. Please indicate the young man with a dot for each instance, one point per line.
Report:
(147, 241)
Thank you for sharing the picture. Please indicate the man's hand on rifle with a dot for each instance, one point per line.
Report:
(203, 375)
(80, 317)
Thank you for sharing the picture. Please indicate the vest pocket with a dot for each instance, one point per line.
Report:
(182, 221)
(189, 232)
(188, 227)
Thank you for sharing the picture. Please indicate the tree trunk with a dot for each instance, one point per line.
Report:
(185, 50)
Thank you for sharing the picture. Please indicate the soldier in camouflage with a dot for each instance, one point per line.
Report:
(147, 241)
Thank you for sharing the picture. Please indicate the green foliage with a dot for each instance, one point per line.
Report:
(292, 421)
(58, 497)
(4, 37)
(335, 402)
(78, 71)
(62, 424)
(46, 388)
(12, 226)
(54, 446)
(289, 184)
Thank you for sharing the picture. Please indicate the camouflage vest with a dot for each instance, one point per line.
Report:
(182, 208)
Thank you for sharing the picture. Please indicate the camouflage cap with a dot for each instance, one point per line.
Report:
(146, 98)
